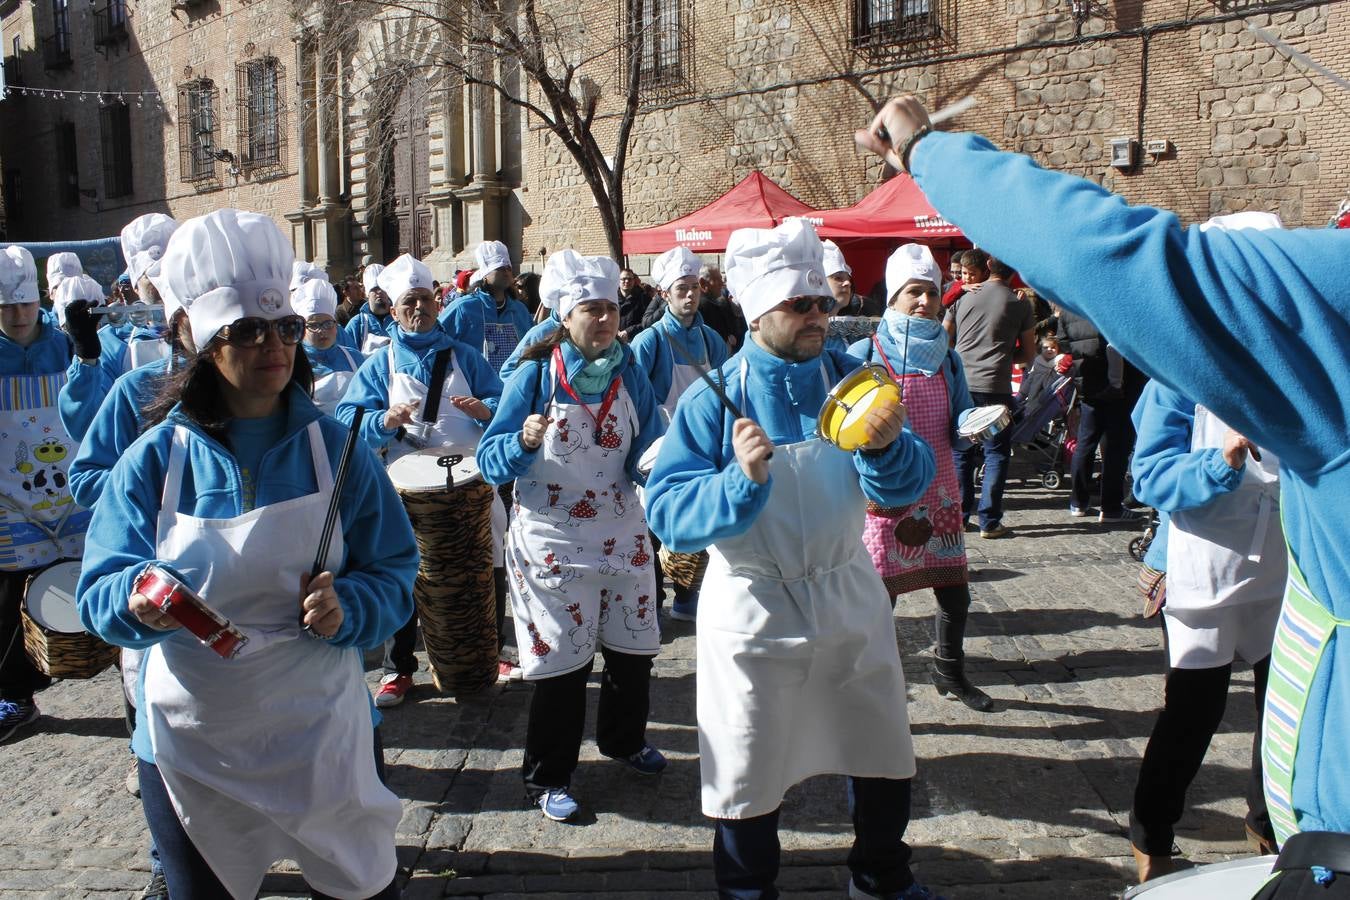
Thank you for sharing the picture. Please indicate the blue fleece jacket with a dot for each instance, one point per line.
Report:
(414, 354)
(88, 385)
(697, 493)
(953, 372)
(332, 359)
(50, 353)
(374, 581)
(465, 318)
(1273, 308)
(501, 455)
(533, 336)
(365, 322)
(652, 347)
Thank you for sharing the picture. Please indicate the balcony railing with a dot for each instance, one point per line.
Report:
(13, 73)
(110, 23)
(56, 51)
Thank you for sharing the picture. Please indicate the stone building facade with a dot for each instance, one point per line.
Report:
(345, 133)
(1215, 119)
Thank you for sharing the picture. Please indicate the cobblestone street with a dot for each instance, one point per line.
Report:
(1027, 801)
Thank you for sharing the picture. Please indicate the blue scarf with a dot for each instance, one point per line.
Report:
(596, 375)
(923, 350)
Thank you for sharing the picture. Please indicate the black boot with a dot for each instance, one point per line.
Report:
(949, 677)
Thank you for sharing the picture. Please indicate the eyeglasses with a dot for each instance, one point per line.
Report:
(317, 327)
(252, 331)
(803, 305)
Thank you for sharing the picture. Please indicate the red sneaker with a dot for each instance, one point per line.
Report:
(393, 688)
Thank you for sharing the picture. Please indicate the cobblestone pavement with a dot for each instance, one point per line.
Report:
(1030, 799)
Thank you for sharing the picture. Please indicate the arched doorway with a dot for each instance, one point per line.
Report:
(407, 214)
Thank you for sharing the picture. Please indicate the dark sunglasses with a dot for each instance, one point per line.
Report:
(803, 305)
(317, 327)
(251, 331)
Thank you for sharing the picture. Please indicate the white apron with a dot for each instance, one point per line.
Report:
(682, 375)
(579, 561)
(798, 668)
(329, 389)
(269, 755)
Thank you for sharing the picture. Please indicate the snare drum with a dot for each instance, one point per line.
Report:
(178, 601)
(1236, 880)
(53, 635)
(433, 469)
(984, 423)
(841, 417)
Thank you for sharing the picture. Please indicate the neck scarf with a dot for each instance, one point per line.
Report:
(595, 376)
(926, 346)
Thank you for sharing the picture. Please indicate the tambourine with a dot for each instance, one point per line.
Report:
(841, 420)
(180, 603)
(984, 423)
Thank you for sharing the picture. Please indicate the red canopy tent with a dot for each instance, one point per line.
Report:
(755, 202)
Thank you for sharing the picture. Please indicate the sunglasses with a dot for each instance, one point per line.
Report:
(252, 331)
(803, 305)
(317, 327)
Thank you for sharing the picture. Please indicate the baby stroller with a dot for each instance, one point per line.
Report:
(1043, 426)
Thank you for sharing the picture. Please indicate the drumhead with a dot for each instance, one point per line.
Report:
(50, 598)
(1217, 881)
(981, 419)
(421, 470)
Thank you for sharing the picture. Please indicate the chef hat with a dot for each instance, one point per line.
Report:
(370, 276)
(1257, 221)
(315, 297)
(403, 275)
(767, 266)
(61, 266)
(78, 287)
(674, 264)
(491, 255)
(227, 265)
(570, 278)
(144, 240)
(18, 276)
(834, 259)
(908, 263)
(302, 272)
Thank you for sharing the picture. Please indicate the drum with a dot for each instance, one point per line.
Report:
(841, 417)
(433, 469)
(53, 635)
(984, 423)
(178, 601)
(684, 570)
(1236, 880)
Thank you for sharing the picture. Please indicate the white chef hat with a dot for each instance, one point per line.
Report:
(476, 278)
(674, 264)
(227, 265)
(767, 266)
(315, 297)
(18, 276)
(403, 275)
(834, 259)
(61, 266)
(908, 263)
(370, 276)
(570, 278)
(1257, 221)
(144, 240)
(78, 287)
(302, 271)
(491, 255)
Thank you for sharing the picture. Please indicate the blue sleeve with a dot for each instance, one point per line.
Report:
(862, 349)
(1245, 291)
(650, 424)
(458, 323)
(899, 474)
(114, 429)
(535, 334)
(1168, 475)
(501, 455)
(718, 353)
(520, 317)
(483, 382)
(648, 352)
(697, 493)
(356, 330)
(370, 389)
(81, 396)
(959, 388)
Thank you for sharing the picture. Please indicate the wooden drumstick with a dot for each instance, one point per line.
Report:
(716, 388)
(330, 520)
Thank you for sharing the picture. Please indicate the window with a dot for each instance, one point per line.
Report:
(13, 74)
(115, 130)
(110, 23)
(56, 49)
(198, 134)
(903, 24)
(261, 102)
(660, 32)
(67, 165)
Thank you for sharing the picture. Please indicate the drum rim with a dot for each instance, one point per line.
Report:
(33, 580)
(866, 374)
(974, 423)
(470, 459)
(1140, 890)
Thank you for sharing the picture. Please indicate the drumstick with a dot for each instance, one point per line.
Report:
(330, 520)
(716, 388)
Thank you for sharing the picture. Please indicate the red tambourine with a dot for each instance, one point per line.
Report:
(180, 603)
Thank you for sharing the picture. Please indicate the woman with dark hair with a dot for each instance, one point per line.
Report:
(269, 754)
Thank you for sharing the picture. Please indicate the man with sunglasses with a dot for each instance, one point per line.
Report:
(427, 390)
(798, 669)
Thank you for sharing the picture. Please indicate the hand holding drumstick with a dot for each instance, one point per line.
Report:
(532, 431)
(753, 449)
(320, 611)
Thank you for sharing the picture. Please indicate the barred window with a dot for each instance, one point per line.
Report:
(198, 130)
(905, 24)
(261, 98)
(115, 130)
(664, 29)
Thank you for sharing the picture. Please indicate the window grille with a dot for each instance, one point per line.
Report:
(661, 33)
(908, 26)
(56, 48)
(115, 130)
(198, 130)
(261, 98)
(110, 23)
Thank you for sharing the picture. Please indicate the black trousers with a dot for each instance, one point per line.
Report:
(1105, 423)
(558, 717)
(1193, 706)
(19, 678)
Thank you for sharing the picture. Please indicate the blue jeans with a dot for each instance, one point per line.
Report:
(994, 454)
(746, 851)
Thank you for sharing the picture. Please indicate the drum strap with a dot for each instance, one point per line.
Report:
(432, 408)
(1315, 848)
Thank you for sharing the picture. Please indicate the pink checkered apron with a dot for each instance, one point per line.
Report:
(922, 545)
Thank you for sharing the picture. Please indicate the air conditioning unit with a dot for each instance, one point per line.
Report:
(1123, 152)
